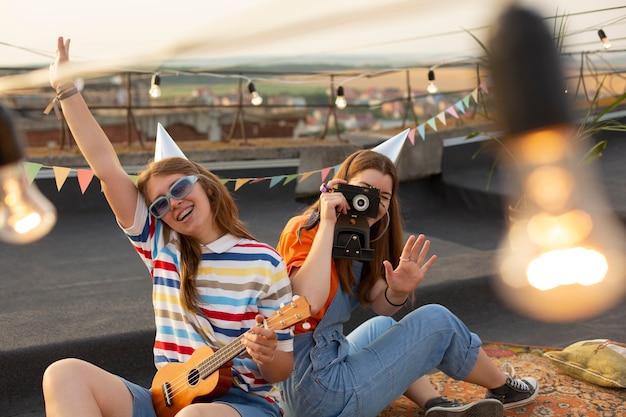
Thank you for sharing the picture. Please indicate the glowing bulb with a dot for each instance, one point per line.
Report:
(604, 39)
(155, 86)
(255, 98)
(25, 214)
(340, 101)
(432, 87)
(562, 258)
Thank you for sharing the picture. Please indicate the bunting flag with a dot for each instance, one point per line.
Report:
(85, 176)
(32, 169)
(60, 175)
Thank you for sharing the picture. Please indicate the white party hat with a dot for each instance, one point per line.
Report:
(165, 146)
(391, 147)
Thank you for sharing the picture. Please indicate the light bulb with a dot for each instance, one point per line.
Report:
(340, 100)
(25, 214)
(562, 258)
(255, 98)
(432, 87)
(155, 86)
(604, 39)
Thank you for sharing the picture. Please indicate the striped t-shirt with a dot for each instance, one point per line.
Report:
(237, 279)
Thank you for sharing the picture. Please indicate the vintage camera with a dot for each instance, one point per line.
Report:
(363, 201)
(352, 231)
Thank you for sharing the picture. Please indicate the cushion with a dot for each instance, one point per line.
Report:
(600, 361)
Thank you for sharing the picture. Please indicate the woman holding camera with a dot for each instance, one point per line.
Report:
(362, 373)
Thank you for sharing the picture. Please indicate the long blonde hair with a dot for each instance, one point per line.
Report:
(223, 207)
(386, 241)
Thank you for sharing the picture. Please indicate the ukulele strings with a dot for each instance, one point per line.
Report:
(210, 365)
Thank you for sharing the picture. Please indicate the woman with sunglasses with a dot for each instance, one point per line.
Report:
(362, 373)
(212, 283)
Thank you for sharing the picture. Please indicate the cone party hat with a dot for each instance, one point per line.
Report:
(165, 146)
(391, 147)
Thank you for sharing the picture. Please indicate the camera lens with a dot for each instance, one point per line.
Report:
(360, 202)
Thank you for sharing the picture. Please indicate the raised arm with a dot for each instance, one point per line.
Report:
(312, 279)
(119, 189)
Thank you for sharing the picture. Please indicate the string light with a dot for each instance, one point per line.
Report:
(432, 87)
(340, 101)
(25, 214)
(255, 98)
(604, 39)
(155, 86)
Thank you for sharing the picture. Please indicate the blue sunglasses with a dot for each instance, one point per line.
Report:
(179, 190)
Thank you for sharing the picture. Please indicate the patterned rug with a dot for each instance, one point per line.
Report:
(559, 394)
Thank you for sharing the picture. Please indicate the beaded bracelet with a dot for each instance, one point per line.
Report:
(394, 304)
(63, 91)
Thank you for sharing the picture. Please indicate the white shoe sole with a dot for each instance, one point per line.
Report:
(489, 407)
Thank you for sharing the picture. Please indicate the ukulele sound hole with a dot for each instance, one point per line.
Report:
(194, 377)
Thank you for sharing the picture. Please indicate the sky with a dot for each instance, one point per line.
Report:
(131, 34)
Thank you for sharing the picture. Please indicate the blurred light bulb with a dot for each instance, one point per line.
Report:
(432, 87)
(563, 256)
(604, 39)
(340, 101)
(25, 214)
(155, 86)
(255, 98)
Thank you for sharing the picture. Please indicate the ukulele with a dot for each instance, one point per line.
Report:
(207, 373)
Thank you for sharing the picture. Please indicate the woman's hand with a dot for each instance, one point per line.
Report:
(260, 343)
(56, 68)
(331, 202)
(411, 269)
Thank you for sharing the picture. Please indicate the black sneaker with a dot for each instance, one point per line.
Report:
(515, 392)
(442, 407)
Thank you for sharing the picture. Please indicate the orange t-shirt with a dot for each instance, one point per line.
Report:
(294, 252)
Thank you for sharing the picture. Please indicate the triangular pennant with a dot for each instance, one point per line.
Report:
(412, 136)
(459, 106)
(241, 182)
(224, 181)
(392, 146)
(290, 178)
(432, 123)
(421, 129)
(275, 180)
(483, 86)
(475, 95)
(451, 110)
(254, 181)
(32, 169)
(442, 117)
(466, 100)
(60, 175)
(305, 175)
(84, 178)
(134, 178)
(165, 146)
(325, 173)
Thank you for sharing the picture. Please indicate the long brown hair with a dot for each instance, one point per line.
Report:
(224, 210)
(386, 241)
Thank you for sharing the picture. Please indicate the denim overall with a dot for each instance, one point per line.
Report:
(361, 374)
